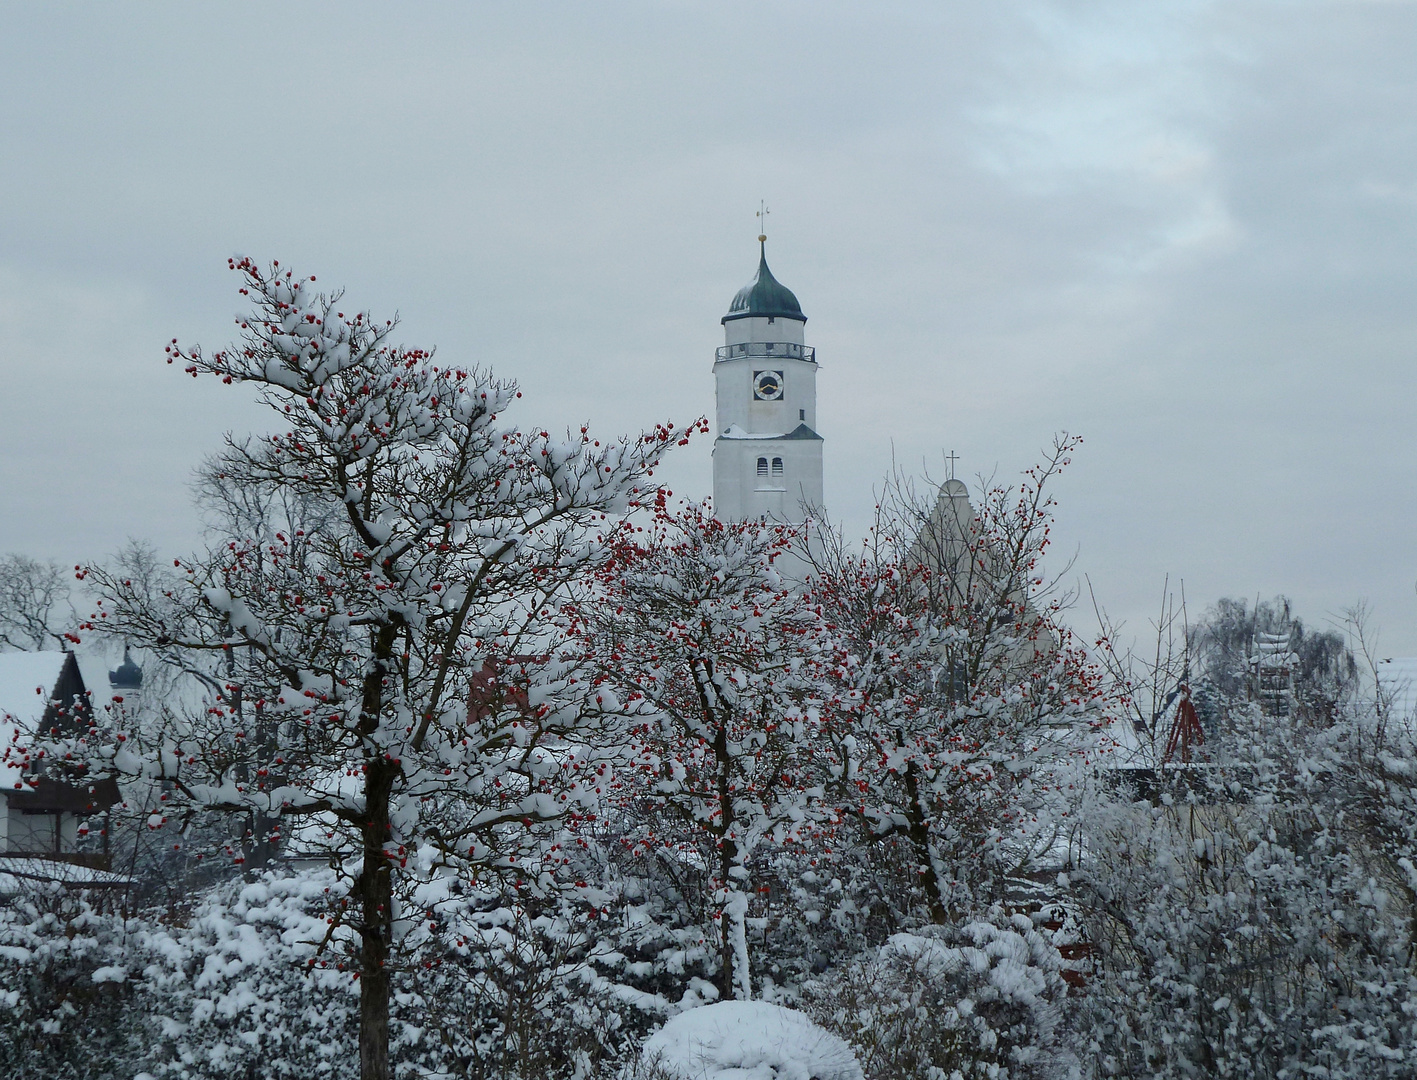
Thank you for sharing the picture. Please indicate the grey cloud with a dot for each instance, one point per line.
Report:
(1183, 230)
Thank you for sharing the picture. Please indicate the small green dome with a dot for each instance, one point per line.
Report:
(764, 297)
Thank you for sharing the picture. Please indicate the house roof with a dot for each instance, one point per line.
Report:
(27, 684)
(31, 684)
(20, 873)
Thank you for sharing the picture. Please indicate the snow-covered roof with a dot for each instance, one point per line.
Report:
(27, 682)
(21, 874)
(1125, 746)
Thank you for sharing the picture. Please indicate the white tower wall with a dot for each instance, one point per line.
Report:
(733, 385)
(767, 457)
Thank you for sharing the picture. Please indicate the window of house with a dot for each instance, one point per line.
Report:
(762, 466)
(777, 466)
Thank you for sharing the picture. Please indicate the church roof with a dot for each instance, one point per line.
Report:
(764, 297)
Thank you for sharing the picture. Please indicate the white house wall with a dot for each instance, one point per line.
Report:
(34, 833)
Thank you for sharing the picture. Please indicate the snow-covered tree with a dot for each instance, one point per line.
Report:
(714, 658)
(408, 539)
(1258, 920)
(956, 688)
(1222, 648)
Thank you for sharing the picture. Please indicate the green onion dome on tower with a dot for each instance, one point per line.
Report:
(129, 676)
(764, 297)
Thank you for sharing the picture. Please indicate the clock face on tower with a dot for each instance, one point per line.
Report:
(767, 385)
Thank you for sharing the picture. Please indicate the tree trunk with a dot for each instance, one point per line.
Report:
(735, 945)
(375, 884)
(375, 888)
(710, 702)
(731, 921)
(919, 833)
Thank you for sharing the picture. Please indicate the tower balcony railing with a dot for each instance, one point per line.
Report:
(786, 350)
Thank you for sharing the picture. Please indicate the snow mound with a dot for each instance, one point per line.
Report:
(749, 1040)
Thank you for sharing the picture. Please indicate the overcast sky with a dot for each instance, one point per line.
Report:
(1185, 231)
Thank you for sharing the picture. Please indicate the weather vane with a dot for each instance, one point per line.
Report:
(763, 213)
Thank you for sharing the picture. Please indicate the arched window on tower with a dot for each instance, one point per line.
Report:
(762, 466)
(777, 466)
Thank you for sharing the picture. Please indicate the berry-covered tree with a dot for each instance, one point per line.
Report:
(713, 656)
(955, 684)
(408, 541)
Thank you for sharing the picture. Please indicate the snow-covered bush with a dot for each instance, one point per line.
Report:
(519, 993)
(814, 908)
(1261, 926)
(253, 979)
(746, 1040)
(492, 989)
(65, 1004)
(980, 1000)
(247, 981)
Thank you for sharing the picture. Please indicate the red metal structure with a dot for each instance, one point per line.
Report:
(1185, 731)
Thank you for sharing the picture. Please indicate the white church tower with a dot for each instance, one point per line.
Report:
(767, 457)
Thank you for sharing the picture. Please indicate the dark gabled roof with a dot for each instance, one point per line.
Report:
(801, 431)
(43, 690)
(764, 297)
